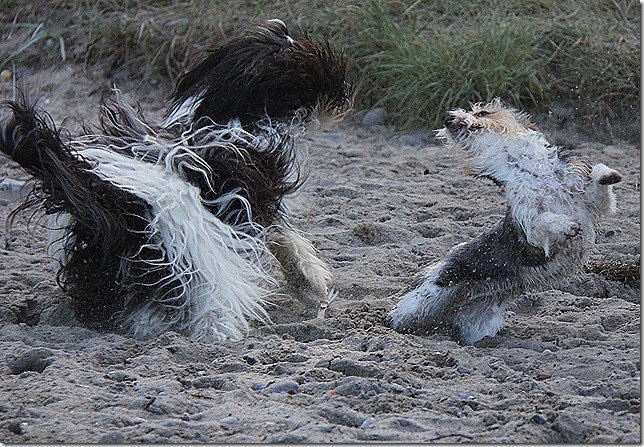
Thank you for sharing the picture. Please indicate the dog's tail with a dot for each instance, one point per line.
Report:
(65, 181)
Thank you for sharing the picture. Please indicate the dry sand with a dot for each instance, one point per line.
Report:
(564, 368)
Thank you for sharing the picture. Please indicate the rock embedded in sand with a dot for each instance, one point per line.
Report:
(374, 116)
(539, 419)
(547, 353)
(410, 140)
(33, 360)
(288, 386)
(228, 422)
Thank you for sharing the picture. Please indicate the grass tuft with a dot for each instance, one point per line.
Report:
(416, 58)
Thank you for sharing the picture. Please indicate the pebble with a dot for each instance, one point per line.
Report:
(418, 240)
(228, 422)
(397, 388)
(9, 184)
(345, 258)
(33, 360)
(287, 386)
(113, 437)
(374, 116)
(5, 74)
(257, 386)
(462, 369)
(375, 387)
(369, 422)
(539, 419)
(547, 353)
(325, 428)
(119, 376)
(410, 140)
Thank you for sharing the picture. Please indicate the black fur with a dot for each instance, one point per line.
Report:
(260, 176)
(113, 267)
(500, 255)
(108, 223)
(261, 73)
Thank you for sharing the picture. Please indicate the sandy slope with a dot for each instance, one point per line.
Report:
(565, 368)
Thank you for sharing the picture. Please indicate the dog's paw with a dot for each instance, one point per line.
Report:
(572, 230)
(604, 175)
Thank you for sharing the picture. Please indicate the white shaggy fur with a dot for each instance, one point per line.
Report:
(220, 269)
(554, 201)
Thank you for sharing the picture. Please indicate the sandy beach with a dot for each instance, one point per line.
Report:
(379, 205)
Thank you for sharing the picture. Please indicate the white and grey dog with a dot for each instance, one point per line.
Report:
(554, 201)
(174, 225)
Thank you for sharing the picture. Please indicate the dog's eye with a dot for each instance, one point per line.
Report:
(483, 113)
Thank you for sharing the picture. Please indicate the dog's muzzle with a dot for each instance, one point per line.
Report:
(455, 125)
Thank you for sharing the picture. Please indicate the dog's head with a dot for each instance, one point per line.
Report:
(491, 120)
(488, 134)
(264, 73)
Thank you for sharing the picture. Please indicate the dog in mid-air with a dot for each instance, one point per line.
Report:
(176, 225)
(555, 199)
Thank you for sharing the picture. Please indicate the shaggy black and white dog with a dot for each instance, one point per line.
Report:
(555, 199)
(175, 225)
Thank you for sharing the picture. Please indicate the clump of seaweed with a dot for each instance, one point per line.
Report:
(625, 272)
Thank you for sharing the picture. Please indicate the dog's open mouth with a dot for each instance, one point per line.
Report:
(460, 127)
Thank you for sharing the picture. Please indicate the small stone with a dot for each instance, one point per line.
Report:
(410, 140)
(374, 116)
(397, 389)
(539, 419)
(325, 428)
(33, 360)
(228, 422)
(375, 387)
(369, 422)
(5, 74)
(463, 369)
(257, 386)
(345, 258)
(113, 437)
(418, 240)
(547, 353)
(11, 185)
(288, 386)
(119, 376)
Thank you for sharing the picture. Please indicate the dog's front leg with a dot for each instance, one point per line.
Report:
(600, 191)
(549, 229)
(306, 274)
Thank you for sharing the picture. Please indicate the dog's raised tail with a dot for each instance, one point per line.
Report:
(30, 138)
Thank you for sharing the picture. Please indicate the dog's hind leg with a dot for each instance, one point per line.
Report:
(423, 304)
(477, 318)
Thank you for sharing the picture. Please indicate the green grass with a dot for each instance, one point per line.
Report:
(415, 58)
